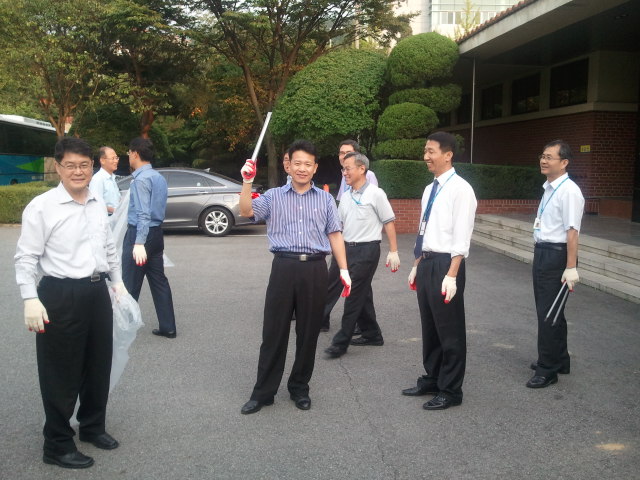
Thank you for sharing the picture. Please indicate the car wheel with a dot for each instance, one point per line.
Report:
(216, 221)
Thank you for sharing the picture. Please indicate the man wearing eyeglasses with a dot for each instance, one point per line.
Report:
(66, 237)
(364, 211)
(555, 261)
(103, 182)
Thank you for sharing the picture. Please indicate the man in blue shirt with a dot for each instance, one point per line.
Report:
(143, 244)
(103, 183)
(302, 227)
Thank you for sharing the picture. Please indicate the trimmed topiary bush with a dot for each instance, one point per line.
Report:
(407, 148)
(443, 99)
(13, 199)
(406, 120)
(421, 58)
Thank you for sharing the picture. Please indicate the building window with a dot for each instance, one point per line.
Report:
(491, 106)
(525, 95)
(569, 84)
(464, 110)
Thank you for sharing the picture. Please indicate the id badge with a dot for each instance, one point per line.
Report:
(423, 227)
(536, 223)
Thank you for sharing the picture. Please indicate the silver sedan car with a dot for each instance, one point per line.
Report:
(199, 199)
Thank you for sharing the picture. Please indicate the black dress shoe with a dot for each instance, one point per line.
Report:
(103, 441)
(302, 402)
(160, 333)
(420, 390)
(334, 351)
(562, 371)
(441, 402)
(68, 460)
(368, 341)
(253, 406)
(324, 327)
(357, 331)
(538, 381)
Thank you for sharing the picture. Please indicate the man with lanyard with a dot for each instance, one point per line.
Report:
(143, 245)
(302, 227)
(103, 183)
(335, 286)
(364, 210)
(438, 275)
(66, 237)
(555, 258)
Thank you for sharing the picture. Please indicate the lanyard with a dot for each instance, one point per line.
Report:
(357, 202)
(544, 205)
(434, 197)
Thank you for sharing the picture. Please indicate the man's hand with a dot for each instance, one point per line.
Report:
(346, 281)
(119, 289)
(449, 288)
(570, 275)
(35, 315)
(139, 254)
(249, 171)
(412, 278)
(393, 260)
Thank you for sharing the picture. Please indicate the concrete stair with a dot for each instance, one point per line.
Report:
(605, 265)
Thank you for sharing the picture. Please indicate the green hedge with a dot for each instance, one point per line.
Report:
(406, 148)
(406, 120)
(13, 199)
(443, 99)
(407, 179)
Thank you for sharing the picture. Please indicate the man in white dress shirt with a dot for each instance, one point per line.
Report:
(555, 258)
(66, 237)
(103, 183)
(438, 275)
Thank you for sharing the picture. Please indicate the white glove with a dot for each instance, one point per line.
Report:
(139, 254)
(448, 288)
(35, 315)
(249, 171)
(393, 260)
(412, 278)
(346, 281)
(570, 275)
(119, 290)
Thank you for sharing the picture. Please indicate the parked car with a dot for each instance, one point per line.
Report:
(200, 199)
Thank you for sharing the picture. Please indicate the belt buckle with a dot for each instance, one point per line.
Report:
(303, 257)
(96, 277)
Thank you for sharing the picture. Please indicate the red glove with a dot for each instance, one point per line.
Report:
(249, 171)
(346, 281)
(412, 278)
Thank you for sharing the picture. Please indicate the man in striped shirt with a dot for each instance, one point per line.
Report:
(303, 227)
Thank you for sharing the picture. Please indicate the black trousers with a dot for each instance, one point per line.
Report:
(293, 286)
(74, 359)
(548, 265)
(444, 341)
(334, 292)
(133, 275)
(358, 306)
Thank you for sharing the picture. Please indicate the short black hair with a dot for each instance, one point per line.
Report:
(144, 148)
(564, 150)
(72, 145)
(305, 146)
(446, 140)
(353, 143)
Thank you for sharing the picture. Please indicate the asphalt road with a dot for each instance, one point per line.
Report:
(176, 411)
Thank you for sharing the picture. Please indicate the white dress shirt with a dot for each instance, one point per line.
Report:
(363, 213)
(452, 215)
(65, 239)
(371, 178)
(559, 211)
(103, 184)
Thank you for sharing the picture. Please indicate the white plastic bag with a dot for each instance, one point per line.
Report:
(127, 319)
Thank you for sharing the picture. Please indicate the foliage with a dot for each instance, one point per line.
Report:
(14, 198)
(407, 179)
(406, 148)
(469, 19)
(420, 59)
(442, 99)
(406, 120)
(331, 99)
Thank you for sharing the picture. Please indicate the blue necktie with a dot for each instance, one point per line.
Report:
(417, 250)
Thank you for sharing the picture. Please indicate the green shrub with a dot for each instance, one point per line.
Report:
(407, 179)
(13, 199)
(404, 148)
(443, 99)
(406, 120)
(421, 58)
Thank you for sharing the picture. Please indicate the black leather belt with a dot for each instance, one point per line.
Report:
(302, 257)
(552, 246)
(95, 278)
(426, 255)
(355, 244)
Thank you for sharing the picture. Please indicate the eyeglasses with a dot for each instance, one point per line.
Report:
(342, 154)
(72, 167)
(547, 157)
(347, 169)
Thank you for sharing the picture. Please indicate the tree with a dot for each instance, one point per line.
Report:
(270, 40)
(469, 19)
(333, 98)
(51, 51)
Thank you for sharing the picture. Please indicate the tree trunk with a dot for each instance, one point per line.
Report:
(273, 160)
(146, 122)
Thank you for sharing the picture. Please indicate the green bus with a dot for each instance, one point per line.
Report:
(24, 144)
